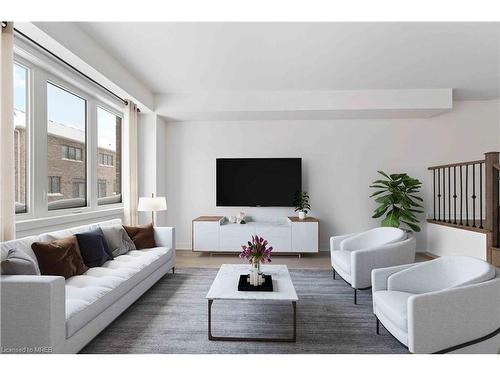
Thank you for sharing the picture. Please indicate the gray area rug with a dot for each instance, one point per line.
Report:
(172, 318)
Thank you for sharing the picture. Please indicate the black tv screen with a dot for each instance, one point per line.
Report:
(258, 182)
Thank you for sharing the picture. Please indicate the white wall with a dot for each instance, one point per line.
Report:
(452, 241)
(151, 173)
(340, 159)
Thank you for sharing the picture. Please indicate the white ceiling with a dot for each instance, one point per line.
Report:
(192, 57)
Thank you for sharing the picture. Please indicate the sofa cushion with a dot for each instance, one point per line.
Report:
(118, 240)
(394, 306)
(17, 262)
(93, 247)
(90, 294)
(441, 273)
(343, 260)
(142, 235)
(373, 238)
(59, 257)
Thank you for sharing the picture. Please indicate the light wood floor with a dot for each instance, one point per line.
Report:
(321, 260)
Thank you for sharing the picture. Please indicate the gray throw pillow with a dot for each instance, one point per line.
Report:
(17, 262)
(117, 239)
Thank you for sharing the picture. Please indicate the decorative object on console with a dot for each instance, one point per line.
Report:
(398, 202)
(143, 236)
(241, 218)
(153, 204)
(256, 252)
(301, 203)
(232, 219)
(93, 248)
(59, 257)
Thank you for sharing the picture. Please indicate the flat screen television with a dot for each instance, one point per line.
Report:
(253, 182)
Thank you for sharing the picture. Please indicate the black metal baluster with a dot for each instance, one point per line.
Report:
(444, 194)
(449, 195)
(439, 194)
(461, 195)
(481, 195)
(466, 195)
(454, 195)
(474, 195)
(434, 190)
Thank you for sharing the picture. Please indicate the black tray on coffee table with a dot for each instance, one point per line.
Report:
(244, 285)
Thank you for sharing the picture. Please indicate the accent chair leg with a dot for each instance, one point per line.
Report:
(355, 296)
(333, 273)
(173, 270)
(378, 326)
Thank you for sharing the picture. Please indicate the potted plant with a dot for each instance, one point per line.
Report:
(397, 199)
(256, 252)
(301, 203)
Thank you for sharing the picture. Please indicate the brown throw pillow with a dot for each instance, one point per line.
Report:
(60, 257)
(143, 236)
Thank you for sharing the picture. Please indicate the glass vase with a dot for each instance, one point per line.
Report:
(255, 274)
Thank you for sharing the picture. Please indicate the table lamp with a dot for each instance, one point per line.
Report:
(152, 204)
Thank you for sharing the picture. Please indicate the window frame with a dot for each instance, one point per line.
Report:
(29, 144)
(43, 70)
(122, 117)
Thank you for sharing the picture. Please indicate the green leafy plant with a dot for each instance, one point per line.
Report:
(301, 202)
(397, 199)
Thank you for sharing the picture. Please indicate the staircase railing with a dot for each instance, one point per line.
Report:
(465, 195)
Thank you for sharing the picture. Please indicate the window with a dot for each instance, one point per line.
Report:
(79, 189)
(105, 159)
(66, 113)
(54, 185)
(70, 141)
(71, 153)
(20, 136)
(101, 188)
(109, 135)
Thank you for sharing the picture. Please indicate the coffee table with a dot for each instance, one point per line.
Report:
(225, 287)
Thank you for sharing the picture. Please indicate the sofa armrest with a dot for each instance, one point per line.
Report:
(380, 276)
(165, 237)
(392, 254)
(450, 317)
(33, 314)
(336, 240)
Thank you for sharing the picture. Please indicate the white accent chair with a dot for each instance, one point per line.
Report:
(355, 255)
(450, 304)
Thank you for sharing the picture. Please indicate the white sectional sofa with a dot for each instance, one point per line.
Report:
(51, 314)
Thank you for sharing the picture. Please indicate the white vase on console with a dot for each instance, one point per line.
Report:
(302, 215)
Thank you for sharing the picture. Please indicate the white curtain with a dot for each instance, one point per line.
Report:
(7, 177)
(130, 183)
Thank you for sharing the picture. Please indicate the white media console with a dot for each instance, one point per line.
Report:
(214, 234)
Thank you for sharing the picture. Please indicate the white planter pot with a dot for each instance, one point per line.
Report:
(302, 215)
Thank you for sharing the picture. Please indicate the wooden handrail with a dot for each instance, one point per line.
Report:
(456, 164)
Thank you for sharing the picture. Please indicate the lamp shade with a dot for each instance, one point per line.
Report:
(152, 204)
